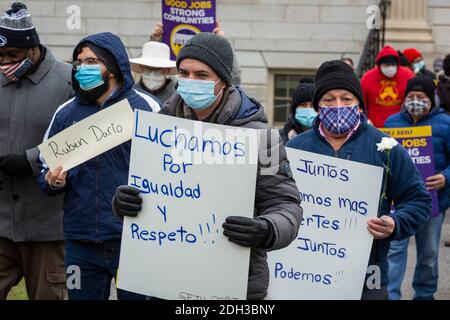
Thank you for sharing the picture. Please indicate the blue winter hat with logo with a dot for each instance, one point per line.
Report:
(17, 29)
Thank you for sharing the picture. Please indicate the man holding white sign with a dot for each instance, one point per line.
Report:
(101, 78)
(341, 131)
(205, 94)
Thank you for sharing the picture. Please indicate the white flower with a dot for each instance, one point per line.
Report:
(386, 144)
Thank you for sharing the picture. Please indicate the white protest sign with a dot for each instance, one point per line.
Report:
(192, 175)
(329, 258)
(90, 137)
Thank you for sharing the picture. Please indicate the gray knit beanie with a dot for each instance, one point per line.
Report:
(211, 49)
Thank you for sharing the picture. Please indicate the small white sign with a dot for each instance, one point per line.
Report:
(87, 139)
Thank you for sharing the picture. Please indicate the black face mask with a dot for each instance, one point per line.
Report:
(91, 96)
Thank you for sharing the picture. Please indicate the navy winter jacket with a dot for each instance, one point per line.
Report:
(90, 187)
(439, 121)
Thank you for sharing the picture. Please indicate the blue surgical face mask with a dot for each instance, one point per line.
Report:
(418, 66)
(197, 94)
(305, 117)
(89, 76)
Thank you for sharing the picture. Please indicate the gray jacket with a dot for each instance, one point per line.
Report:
(26, 109)
(277, 197)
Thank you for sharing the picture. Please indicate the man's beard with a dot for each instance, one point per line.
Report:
(91, 96)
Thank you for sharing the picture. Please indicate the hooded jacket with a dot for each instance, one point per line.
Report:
(384, 96)
(89, 188)
(277, 199)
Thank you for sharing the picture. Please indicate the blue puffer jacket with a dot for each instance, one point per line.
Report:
(439, 120)
(404, 187)
(90, 186)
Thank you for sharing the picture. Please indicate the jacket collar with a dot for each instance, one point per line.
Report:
(43, 68)
(405, 114)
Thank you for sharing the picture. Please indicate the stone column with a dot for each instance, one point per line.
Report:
(407, 22)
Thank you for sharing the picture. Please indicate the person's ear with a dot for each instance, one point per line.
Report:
(31, 54)
(224, 85)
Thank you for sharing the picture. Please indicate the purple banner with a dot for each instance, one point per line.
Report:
(418, 142)
(184, 19)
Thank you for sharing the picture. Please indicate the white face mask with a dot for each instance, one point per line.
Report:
(153, 80)
(389, 70)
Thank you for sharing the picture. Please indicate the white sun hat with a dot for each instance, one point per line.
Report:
(154, 55)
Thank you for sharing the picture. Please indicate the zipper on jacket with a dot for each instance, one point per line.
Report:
(96, 198)
(336, 152)
(97, 211)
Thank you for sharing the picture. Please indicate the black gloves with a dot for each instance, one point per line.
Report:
(247, 232)
(127, 201)
(15, 164)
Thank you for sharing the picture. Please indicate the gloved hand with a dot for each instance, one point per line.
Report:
(247, 232)
(15, 164)
(127, 201)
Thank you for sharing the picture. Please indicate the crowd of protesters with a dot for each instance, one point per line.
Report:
(50, 220)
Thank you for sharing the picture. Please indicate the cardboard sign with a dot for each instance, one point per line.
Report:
(192, 175)
(87, 139)
(329, 258)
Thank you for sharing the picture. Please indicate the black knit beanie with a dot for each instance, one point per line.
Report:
(424, 84)
(404, 62)
(107, 58)
(388, 60)
(303, 93)
(447, 65)
(211, 49)
(16, 28)
(336, 74)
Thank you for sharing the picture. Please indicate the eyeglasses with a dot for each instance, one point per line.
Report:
(88, 61)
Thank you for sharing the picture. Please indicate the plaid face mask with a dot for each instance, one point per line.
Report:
(417, 107)
(339, 120)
